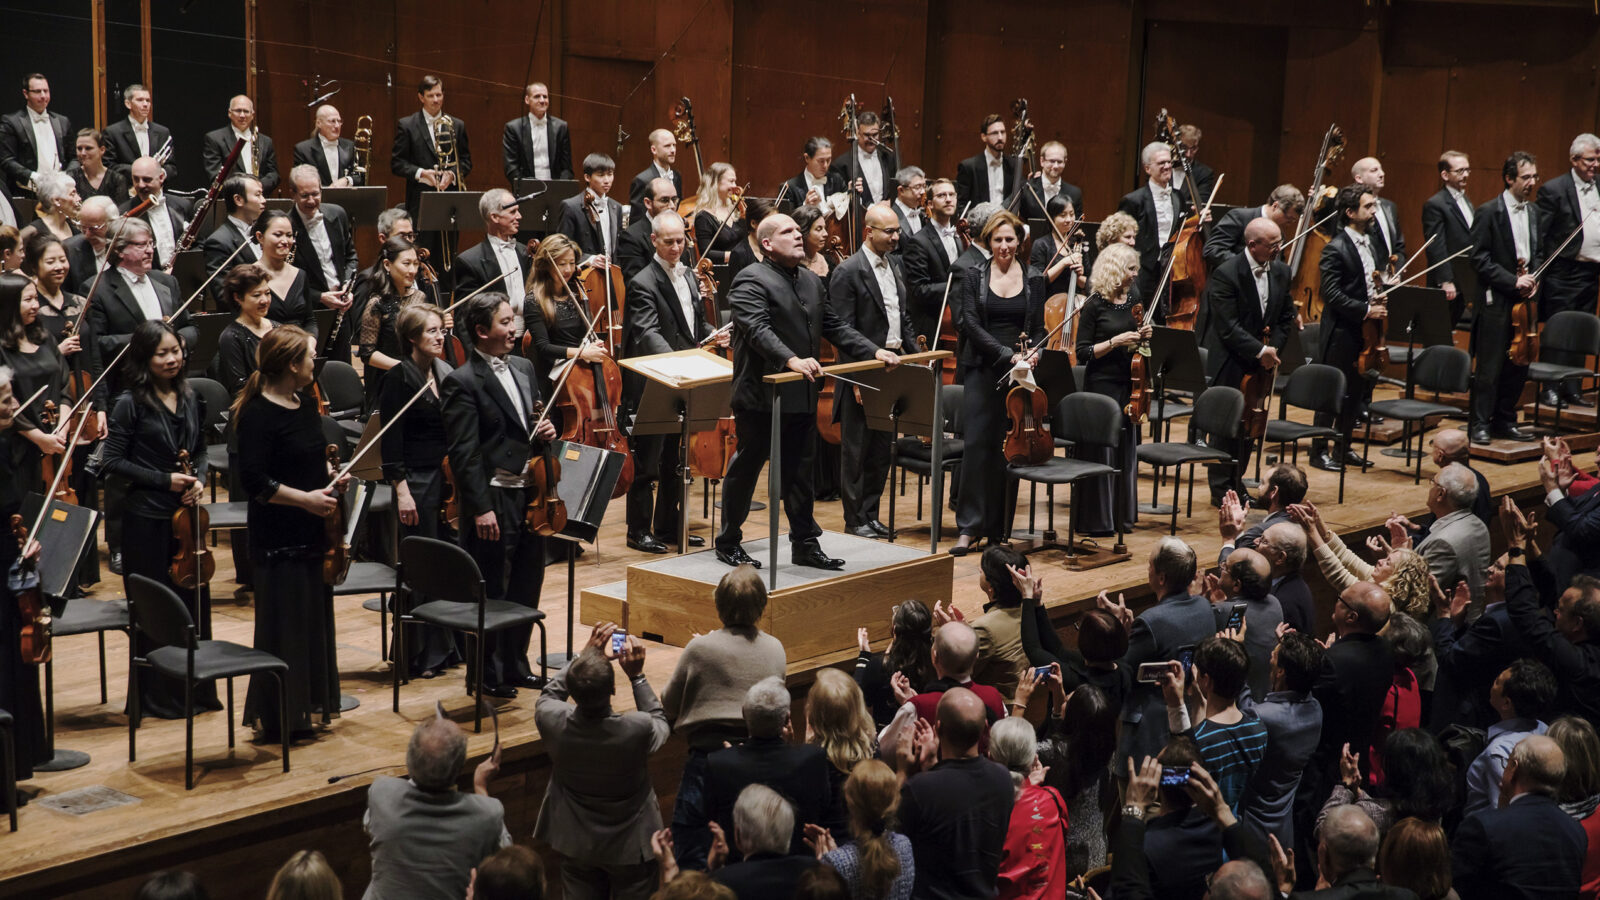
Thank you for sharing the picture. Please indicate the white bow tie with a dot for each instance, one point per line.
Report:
(314, 221)
(39, 118)
(498, 365)
(141, 129)
(1517, 207)
(1261, 269)
(1585, 187)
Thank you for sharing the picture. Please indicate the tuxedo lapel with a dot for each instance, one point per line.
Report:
(492, 387)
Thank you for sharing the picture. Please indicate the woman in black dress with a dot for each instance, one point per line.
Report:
(1000, 303)
(1108, 336)
(554, 321)
(747, 252)
(249, 289)
(92, 176)
(152, 421)
(714, 205)
(413, 462)
(285, 470)
(377, 344)
(1058, 266)
(292, 301)
(19, 679)
(28, 349)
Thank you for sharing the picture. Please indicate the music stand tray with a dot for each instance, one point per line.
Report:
(1418, 316)
(63, 534)
(543, 213)
(684, 391)
(1175, 360)
(363, 204)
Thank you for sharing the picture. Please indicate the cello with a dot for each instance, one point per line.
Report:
(192, 563)
(589, 407)
(1305, 284)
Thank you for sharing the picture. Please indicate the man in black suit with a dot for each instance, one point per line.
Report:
(815, 183)
(928, 256)
(1205, 178)
(415, 158)
(1251, 318)
(1347, 265)
(911, 186)
(86, 250)
(869, 169)
(243, 200)
(499, 253)
(1448, 214)
(1386, 234)
(1573, 278)
(167, 216)
(867, 293)
(333, 156)
(1284, 546)
(599, 237)
(322, 233)
(1038, 190)
(537, 145)
(1283, 208)
(1347, 860)
(991, 175)
(1529, 846)
(1504, 230)
(634, 247)
(34, 140)
(133, 292)
(491, 430)
(665, 312)
(128, 139)
(259, 157)
(780, 315)
(663, 156)
(1159, 210)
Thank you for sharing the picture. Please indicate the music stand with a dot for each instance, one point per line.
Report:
(684, 392)
(542, 214)
(448, 212)
(363, 204)
(1417, 315)
(588, 476)
(189, 267)
(64, 532)
(284, 203)
(1174, 362)
(208, 328)
(908, 401)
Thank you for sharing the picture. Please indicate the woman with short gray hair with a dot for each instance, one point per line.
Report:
(1033, 862)
(57, 206)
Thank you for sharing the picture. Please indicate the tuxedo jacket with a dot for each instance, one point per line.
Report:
(844, 167)
(1494, 252)
(19, 156)
(115, 313)
(340, 241)
(516, 147)
(795, 190)
(1344, 299)
(1205, 178)
(1031, 206)
(1236, 319)
(1391, 215)
(575, 224)
(653, 322)
(413, 150)
(926, 264)
(1141, 204)
(778, 314)
(1558, 207)
(219, 143)
(178, 211)
(1441, 216)
(854, 296)
(483, 431)
(634, 248)
(122, 148)
(81, 262)
(1227, 235)
(641, 183)
(972, 179)
(905, 226)
(477, 266)
(309, 153)
(218, 246)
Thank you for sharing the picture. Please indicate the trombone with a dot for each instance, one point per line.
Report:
(363, 142)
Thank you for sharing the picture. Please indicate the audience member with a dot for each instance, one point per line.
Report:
(999, 630)
(910, 653)
(1033, 864)
(821, 882)
(955, 650)
(1077, 760)
(1576, 548)
(306, 876)
(1102, 642)
(171, 886)
(1246, 578)
(1401, 572)
(1469, 657)
(1230, 744)
(1416, 856)
(838, 722)
(1580, 789)
(1451, 445)
(1293, 719)
(692, 886)
(1285, 486)
(511, 873)
(1418, 782)
(1569, 645)
(1457, 545)
(1528, 847)
(1412, 650)
(1284, 546)
(763, 825)
(1521, 695)
(877, 862)
(1347, 859)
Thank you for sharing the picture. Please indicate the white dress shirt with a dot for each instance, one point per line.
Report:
(1589, 209)
(891, 295)
(871, 170)
(1259, 270)
(913, 219)
(1164, 215)
(1382, 221)
(505, 253)
(947, 237)
(678, 276)
(317, 230)
(430, 122)
(144, 292)
(141, 135)
(502, 373)
(539, 138)
(997, 176)
(44, 138)
(161, 227)
(1517, 212)
(1363, 250)
(247, 156)
(330, 152)
(1462, 203)
(1051, 188)
(603, 222)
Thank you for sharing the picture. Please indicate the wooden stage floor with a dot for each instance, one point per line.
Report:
(245, 816)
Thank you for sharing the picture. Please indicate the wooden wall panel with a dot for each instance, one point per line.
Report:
(1411, 135)
(1330, 76)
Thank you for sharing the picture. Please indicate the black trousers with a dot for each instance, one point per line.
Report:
(1496, 381)
(1568, 284)
(988, 497)
(1355, 389)
(864, 464)
(513, 569)
(799, 437)
(655, 499)
(429, 646)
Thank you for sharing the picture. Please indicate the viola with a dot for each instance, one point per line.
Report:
(546, 513)
(336, 557)
(192, 562)
(1028, 438)
(1138, 408)
(1256, 386)
(1524, 346)
(34, 613)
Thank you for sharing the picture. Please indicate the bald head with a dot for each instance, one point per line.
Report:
(955, 650)
(1262, 237)
(1537, 766)
(960, 719)
(1365, 608)
(1349, 841)
(668, 237)
(1368, 171)
(880, 219)
(147, 177)
(1250, 573)
(1285, 543)
(782, 241)
(1240, 879)
(1450, 445)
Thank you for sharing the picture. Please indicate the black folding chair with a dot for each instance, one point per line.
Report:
(1315, 388)
(1218, 413)
(1438, 369)
(1083, 419)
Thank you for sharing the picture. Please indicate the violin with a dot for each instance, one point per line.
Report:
(192, 562)
(1305, 285)
(546, 513)
(455, 349)
(49, 418)
(34, 634)
(1028, 438)
(1524, 346)
(336, 558)
(1374, 351)
(1138, 408)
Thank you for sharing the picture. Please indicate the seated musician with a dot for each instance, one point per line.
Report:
(592, 218)
(718, 228)
(1283, 209)
(398, 287)
(1108, 335)
(556, 320)
(499, 253)
(243, 201)
(1506, 236)
(634, 248)
(1349, 299)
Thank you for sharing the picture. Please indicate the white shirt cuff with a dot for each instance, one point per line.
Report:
(1555, 496)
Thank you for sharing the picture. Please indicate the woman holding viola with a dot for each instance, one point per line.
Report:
(1108, 336)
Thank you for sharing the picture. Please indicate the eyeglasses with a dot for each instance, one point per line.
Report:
(889, 231)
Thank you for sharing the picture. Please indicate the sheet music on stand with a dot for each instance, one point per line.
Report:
(679, 369)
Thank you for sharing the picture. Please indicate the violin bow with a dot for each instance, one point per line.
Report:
(944, 304)
(729, 217)
(1407, 264)
(1386, 291)
(55, 485)
(1575, 232)
(36, 394)
(1305, 231)
(484, 287)
(378, 438)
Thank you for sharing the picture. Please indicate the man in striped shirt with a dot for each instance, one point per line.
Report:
(1232, 744)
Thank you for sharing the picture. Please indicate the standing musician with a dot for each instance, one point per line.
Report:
(1108, 336)
(1368, 171)
(592, 218)
(334, 157)
(244, 202)
(991, 175)
(1000, 305)
(128, 139)
(911, 186)
(1158, 209)
(666, 312)
(868, 169)
(1448, 214)
(413, 462)
(748, 251)
(814, 226)
(44, 259)
(928, 255)
(249, 290)
(1048, 183)
(378, 346)
(489, 421)
(323, 236)
(93, 177)
(1251, 317)
(1347, 264)
(663, 154)
(868, 294)
(415, 155)
(634, 247)
(285, 470)
(714, 205)
(537, 145)
(19, 676)
(258, 157)
(1283, 208)
(1204, 176)
(1573, 278)
(392, 222)
(154, 419)
(780, 314)
(499, 252)
(292, 302)
(33, 140)
(553, 314)
(167, 216)
(1052, 260)
(30, 351)
(86, 251)
(815, 183)
(1506, 248)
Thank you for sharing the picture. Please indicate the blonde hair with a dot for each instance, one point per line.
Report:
(1111, 276)
(838, 721)
(1408, 587)
(306, 876)
(706, 196)
(871, 795)
(1112, 228)
(544, 282)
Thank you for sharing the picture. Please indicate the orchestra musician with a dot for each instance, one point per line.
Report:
(322, 233)
(991, 175)
(489, 422)
(867, 293)
(1107, 338)
(1226, 239)
(29, 350)
(1117, 228)
(377, 344)
(284, 468)
(1250, 318)
(592, 218)
(93, 177)
(867, 170)
(55, 207)
(413, 463)
(663, 155)
(748, 251)
(553, 314)
(666, 312)
(826, 469)
(249, 290)
(19, 677)
(333, 157)
(780, 314)
(125, 140)
(1204, 176)
(814, 226)
(1386, 229)
(634, 247)
(167, 216)
(911, 186)
(498, 252)
(258, 157)
(392, 222)
(537, 145)
(414, 156)
(1049, 259)
(1000, 305)
(1448, 214)
(1048, 183)
(815, 183)
(714, 205)
(243, 201)
(10, 248)
(1573, 278)
(1158, 210)
(34, 140)
(86, 250)
(292, 302)
(155, 418)
(928, 255)
(1506, 231)
(1348, 297)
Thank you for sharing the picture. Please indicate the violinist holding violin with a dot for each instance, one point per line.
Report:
(1506, 236)
(19, 676)
(1059, 263)
(718, 202)
(36, 361)
(1108, 335)
(1349, 300)
(490, 407)
(666, 312)
(397, 286)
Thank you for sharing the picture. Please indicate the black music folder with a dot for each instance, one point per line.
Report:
(588, 476)
(63, 534)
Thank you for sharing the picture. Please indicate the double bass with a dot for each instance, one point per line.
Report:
(683, 131)
(1188, 257)
(1305, 272)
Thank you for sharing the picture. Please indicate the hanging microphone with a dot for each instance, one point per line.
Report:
(526, 197)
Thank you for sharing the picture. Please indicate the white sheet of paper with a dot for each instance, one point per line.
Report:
(686, 368)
